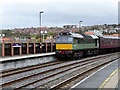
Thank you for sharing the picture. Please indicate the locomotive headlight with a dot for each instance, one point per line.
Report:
(60, 51)
(70, 52)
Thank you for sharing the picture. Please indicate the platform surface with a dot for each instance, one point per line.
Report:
(98, 78)
(25, 56)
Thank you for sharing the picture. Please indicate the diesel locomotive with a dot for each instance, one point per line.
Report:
(76, 45)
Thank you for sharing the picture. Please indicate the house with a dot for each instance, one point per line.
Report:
(49, 39)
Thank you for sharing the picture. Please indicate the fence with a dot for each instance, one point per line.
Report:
(11, 49)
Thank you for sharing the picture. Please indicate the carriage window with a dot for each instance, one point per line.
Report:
(81, 41)
(90, 41)
(85, 41)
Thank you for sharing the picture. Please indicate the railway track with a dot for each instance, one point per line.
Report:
(27, 68)
(32, 67)
(67, 83)
(41, 75)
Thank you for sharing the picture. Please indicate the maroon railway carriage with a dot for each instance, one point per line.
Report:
(109, 42)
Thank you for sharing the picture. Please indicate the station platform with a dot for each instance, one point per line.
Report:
(106, 77)
(19, 57)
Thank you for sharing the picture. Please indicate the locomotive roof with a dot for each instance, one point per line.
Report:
(110, 37)
(76, 35)
(71, 34)
(94, 36)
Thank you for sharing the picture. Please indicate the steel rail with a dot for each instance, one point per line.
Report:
(29, 68)
(63, 83)
(5, 84)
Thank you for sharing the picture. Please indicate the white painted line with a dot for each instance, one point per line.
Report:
(92, 74)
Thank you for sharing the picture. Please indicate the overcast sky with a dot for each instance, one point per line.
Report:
(25, 13)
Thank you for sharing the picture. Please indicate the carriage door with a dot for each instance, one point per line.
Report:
(96, 42)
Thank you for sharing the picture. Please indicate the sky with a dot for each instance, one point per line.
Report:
(25, 13)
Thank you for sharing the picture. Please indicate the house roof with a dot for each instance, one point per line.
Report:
(116, 35)
(106, 35)
(6, 39)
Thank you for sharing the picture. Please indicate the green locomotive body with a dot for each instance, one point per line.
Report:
(74, 45)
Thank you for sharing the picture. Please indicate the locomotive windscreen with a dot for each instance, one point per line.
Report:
(64, 39)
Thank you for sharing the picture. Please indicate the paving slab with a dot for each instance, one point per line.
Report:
(96, 79)
(25, 56)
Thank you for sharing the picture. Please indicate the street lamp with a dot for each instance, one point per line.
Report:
(40, 25)
(80, 26)
(45, 32)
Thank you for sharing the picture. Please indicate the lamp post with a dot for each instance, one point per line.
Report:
(40, 24)
(80, 26)
(45, 32)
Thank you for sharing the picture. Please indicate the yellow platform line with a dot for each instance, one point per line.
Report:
(104, 83)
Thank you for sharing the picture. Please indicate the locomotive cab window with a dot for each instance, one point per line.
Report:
(58, 40)
(70, 39)
(64, 39)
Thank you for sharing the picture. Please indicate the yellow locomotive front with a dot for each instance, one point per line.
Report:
(64, 45)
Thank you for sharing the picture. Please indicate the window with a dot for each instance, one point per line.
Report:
(80, 41)
(70, 39)
(64, 39)
(75, 41)
(58, 40)
(96, 41)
